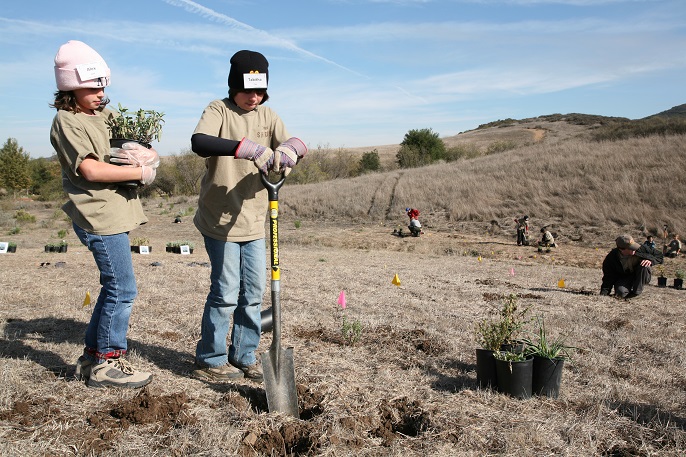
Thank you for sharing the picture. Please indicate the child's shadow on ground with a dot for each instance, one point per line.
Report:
(19, 334)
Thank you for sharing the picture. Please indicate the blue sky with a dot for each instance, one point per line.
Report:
(351, 73)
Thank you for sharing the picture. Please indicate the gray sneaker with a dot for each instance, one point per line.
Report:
(253, 372)
(83, 369)
(220, 373)
(117, 373)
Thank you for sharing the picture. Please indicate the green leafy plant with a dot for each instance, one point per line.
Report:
(297, 223)
(660, 271)
(504, 326)
(144, 126)
(186, 243)
(544, 347)
(351, 330)
(11, 244)
(14, 230)
(679, 274)
(508, 356)
(61, 233)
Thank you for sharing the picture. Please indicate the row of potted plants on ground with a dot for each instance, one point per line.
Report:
(57, 247)
(178, 246)
(662, 279)
(139, 245)
(516, 361)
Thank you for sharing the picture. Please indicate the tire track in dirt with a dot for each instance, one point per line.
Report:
(389, 181)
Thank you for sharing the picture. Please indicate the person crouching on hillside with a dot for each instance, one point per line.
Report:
(627, 267)
(547, 240)
(414, 226)
(673, 248)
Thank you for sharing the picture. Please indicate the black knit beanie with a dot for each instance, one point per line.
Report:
(243, 64)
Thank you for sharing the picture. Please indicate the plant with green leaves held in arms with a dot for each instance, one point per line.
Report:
(144, 126)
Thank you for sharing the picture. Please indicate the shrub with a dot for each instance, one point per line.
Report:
(24, 216)
(370, 161)
(420, 147)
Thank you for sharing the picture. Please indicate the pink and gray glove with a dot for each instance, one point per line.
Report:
(287, 154)
(261, 155)
(134, 155)
(147, 175)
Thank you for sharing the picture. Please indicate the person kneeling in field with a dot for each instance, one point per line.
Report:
(673, 248)
(547, 240)
(627, 267)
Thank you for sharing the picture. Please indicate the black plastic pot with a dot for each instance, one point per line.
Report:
(661, 281)
(547, 376)
(515, 378)
(678, 283)
(117, 143)
(11, 249)
(486, 377)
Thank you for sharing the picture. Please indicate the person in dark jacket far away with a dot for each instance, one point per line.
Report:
(628, 267)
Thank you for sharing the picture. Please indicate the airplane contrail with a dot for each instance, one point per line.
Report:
(196, 8)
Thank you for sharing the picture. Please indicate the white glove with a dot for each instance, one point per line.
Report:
(134, 155)
(147, 175)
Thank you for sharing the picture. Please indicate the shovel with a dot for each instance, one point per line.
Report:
(277, 363)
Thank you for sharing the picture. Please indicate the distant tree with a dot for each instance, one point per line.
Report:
(46, 178)
(188, 170)
(420, 147)
(14, 166)
(370, 161)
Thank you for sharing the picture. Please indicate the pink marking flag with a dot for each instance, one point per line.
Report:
(341, 299)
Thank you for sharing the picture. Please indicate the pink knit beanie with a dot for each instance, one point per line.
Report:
(78, 66)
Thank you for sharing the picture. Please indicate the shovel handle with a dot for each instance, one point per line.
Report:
(273, 190)
(272, 187)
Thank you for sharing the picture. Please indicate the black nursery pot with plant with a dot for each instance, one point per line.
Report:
(486, 376)
(117, 143)
(662, 281)
(547, 376)
(678, 283)
(515, 376)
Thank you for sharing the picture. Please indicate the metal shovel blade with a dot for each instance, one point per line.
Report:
(279, 381)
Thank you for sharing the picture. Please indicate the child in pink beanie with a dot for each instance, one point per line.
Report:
(101, 211)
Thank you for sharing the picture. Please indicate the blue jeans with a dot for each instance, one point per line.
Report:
(106, 332)
(238, 280)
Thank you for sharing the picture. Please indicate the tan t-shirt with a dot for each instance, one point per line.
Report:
(99, 208)
(233, 201)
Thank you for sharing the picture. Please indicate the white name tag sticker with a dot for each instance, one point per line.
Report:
(93, 70)
(254, 80)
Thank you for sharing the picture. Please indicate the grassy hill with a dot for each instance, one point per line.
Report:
(555, 172)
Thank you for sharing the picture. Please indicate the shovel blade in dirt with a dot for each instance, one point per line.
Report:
(279, 381)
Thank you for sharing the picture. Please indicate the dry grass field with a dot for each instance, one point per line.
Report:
(407, 387)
